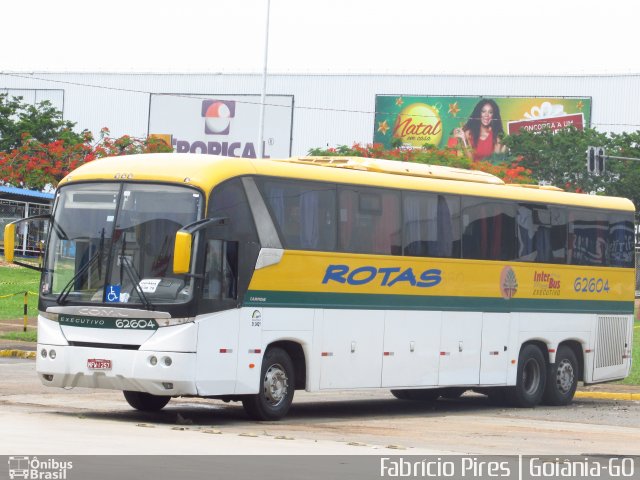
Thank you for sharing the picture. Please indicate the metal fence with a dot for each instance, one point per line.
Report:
(29, 236)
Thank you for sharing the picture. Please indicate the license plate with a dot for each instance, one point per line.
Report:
(98, 364)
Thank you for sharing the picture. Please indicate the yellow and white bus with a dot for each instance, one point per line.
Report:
(171, 275)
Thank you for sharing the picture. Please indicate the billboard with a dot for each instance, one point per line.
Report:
(222, 124)
(415, 121)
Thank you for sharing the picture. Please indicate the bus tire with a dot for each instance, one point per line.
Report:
(277, 385)
(562, 378)
(420, 395)
(145, 402)
(531, 379)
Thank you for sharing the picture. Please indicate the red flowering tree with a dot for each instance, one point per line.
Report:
(509, 172)
(35, 164)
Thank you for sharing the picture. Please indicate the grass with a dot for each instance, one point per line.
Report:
(17, 280)
(28, 336)
(634, 375)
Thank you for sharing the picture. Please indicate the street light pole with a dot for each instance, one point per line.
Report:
(264, 85)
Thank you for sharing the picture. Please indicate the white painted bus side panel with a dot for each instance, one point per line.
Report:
(261, 327)
(315, 359)
(589, 358)
(250, 349)
(217, 353)
(351, 355)
(553, 329)
(411, 348)
(494, 356)
(289, 319)
(460, 348)
(178, 338)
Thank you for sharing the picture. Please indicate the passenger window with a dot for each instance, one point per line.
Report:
(488, 227)
(541, 233)
(369, 220)
(304, 213)
(431, 225)
(588, 235)
(621, 240)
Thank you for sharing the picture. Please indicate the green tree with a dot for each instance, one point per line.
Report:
(560, 159)
(20, 120)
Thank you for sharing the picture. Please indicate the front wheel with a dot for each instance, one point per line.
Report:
(562, 379)
(145, 402)
(531, 380)
(277, 385)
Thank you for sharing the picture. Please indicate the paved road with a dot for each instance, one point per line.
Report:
(38, 420)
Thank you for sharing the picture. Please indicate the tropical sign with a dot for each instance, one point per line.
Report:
(416, 121)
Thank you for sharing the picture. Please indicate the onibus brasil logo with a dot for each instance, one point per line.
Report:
(38, 469)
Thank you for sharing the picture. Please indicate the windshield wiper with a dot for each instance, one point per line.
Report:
(132, 273)
(64, 293)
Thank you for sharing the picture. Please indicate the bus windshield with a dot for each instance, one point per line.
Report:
(113, 243)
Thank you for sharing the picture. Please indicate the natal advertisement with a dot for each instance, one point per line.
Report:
(474, 123)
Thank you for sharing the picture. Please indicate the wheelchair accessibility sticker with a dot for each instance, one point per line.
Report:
(113, 294)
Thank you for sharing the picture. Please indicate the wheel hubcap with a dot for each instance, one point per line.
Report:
(275, 385)
(564, 376)
(531, 376)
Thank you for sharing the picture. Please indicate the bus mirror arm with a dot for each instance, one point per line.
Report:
(184, 242)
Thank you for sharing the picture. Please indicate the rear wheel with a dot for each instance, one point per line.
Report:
(145, 402)
(422, 394)
(531, 378)
(277, 384)
(562, 378)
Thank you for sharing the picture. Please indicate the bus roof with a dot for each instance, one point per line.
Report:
(206, 171)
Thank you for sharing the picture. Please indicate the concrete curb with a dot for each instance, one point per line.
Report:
(18, 354)
(609, 395)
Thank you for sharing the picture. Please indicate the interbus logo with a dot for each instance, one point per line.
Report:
(508, 283)
(217, 116)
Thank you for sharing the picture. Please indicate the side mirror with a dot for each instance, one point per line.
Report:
(182, 252)
(184, 241)
(10, 238)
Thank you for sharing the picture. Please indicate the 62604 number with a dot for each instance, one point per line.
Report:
(591, 285)
(136, 324)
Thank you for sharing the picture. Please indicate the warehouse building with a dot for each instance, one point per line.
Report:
(220, 113)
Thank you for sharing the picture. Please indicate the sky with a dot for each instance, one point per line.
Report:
(328, 36)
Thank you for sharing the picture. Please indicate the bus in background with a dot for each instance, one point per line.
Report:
(170, 275)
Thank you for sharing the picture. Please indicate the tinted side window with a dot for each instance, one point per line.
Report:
(304, 213)
(369, 221)
(588, 235)
(431, 225)
(229, 200)
(488, 229)
(541, 233)
(621, 240)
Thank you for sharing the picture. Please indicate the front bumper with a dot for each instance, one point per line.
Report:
(130, 370)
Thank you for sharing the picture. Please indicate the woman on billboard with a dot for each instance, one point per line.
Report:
(480, 136)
